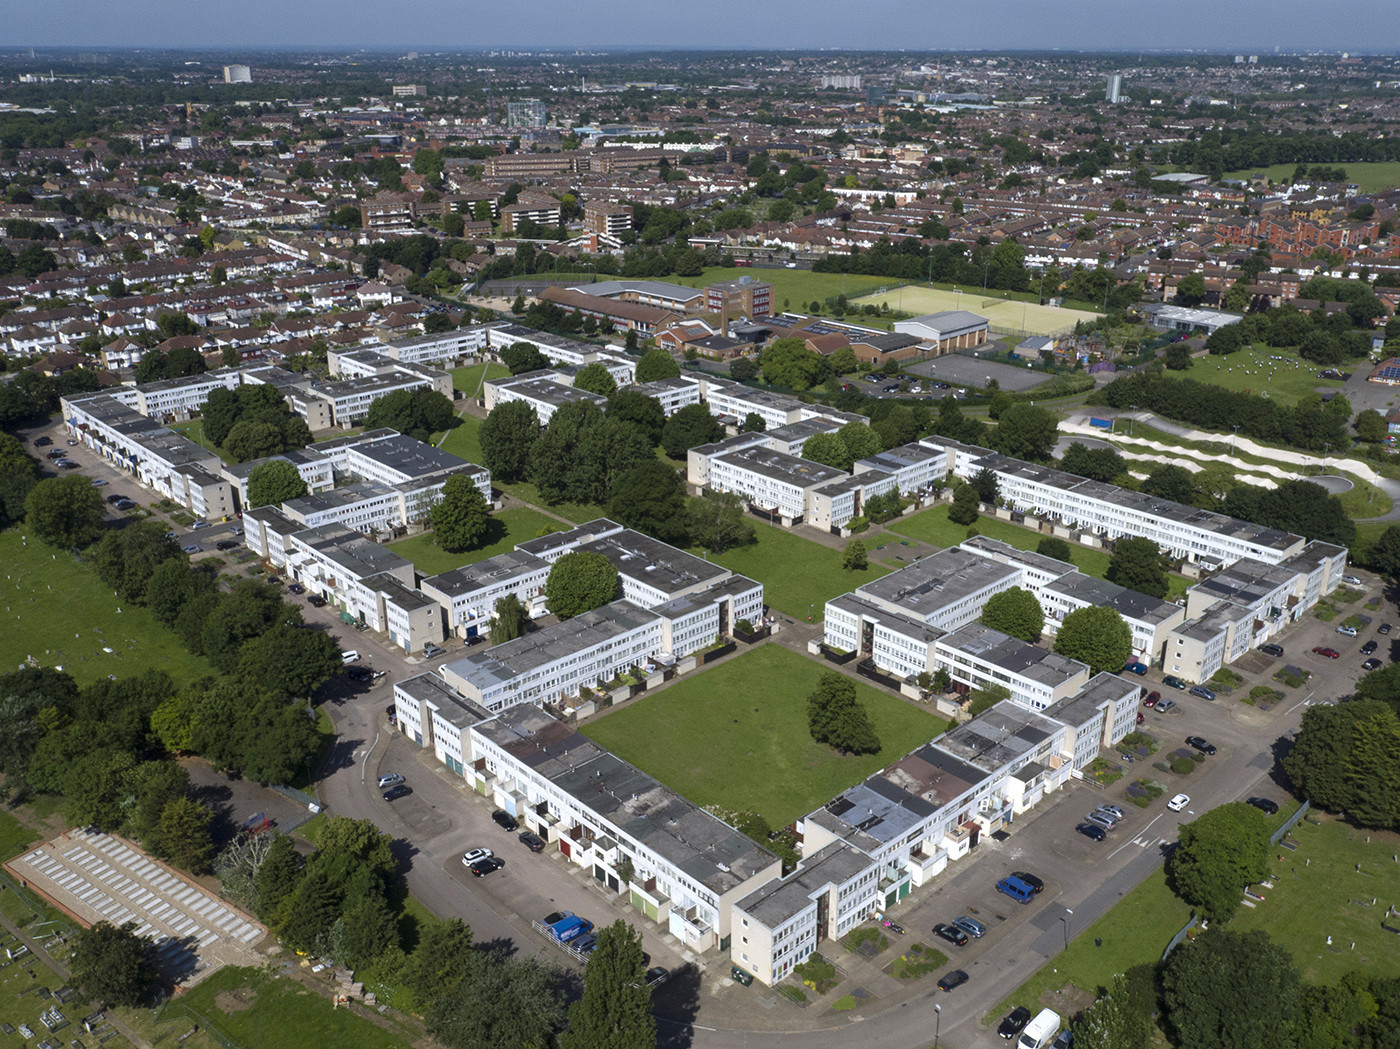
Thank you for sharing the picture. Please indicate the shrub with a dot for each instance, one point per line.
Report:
(1182, 766)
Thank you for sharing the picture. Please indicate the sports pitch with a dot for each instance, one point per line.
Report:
(1006, 314)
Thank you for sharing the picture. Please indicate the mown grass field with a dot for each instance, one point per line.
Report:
(508, 528)
(1370, 177)
(736, 735)
(465, 439)
(470, 378)
(1279, 374)
(55, 609)
(932, 526)
(1003, 312)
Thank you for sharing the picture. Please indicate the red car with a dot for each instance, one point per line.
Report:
(1151, 700)
(1330, 653)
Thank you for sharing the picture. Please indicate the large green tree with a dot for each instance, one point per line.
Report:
(788, 362)
(461, 518)
(273, 483)
(1016, 612)
(1097, 636)
(511, 620)
(439, 961)
(182, 835)
(828, 449)
(837, 718)
(595, 378)
(1344, 758)
(966, 505)
(522, 357)
(578, 582)
(290, 660)
(1097, 464)
(693, 425)
(507, 436)
(1231, 990)
(1026, 432)
(615, 1009)
(650, 497)
(1171, 482)
(65, 511)
(1218, 854)
(1114, 1021)
(1138, 564)
(111, 964)
(127, 558)
(500, 1001)
(253, 439)
(19, 473)
(643, 412)
(716, 522)
(657, 364)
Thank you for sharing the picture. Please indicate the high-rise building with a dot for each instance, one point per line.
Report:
(238, 75)
(842, 83)
(410, 90)
(1115, 89)
(527, 112)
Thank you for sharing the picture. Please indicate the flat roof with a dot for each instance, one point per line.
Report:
(469, 579)
(453, 707)
(934, 582)
(409, 456)
(1013, 655)
(779, 466)
(779, 900)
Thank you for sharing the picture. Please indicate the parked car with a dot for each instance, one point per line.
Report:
(296, 588)
(316, 600)
(1174, 682)
(1383, 629)
(1265, 805)
(971, 926)
(1135, 668)
(1327, 653)
(392, 713)
(1141, 717)
(657, 974)
(1371, 664)
(1179, 802)
(739, 976)
(398, 790)
(584, 944)
(1031, 880)
(97, 482)
(1351, 580)
(1202, 691)
(1271, 650)
(73, 441)
(1063, 1040)
(193, 548)
(226, 544)
(505, 820)
(199, 524)
(481, 868)
(432, 650)
(125, 504)
(1369, 647)
(1015, 1020)
(1201, 744)
(472, 855)
(1113, 810)
(1165, 705)
(115, 498)
(359, 673)
(1151, 699)
(1090, 830)
(555, 917)
(1101, 819)
(388, 779)
(67, 464)
(531, 841)
(956, 978)
(951, 933)
(1347, 631)
(40, 442)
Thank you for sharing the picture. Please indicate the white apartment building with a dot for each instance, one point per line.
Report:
(542, 391)
(432, 715)
(469, 594)
(979, 657)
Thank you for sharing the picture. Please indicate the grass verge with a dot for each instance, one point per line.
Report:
(507, 528)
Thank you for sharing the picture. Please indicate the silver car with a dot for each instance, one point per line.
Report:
(390, 778)
(1101, 819)
(1113, 810)
(971, 926)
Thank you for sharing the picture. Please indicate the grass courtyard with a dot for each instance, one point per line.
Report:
(55, 609)
(464, 440)
(736, 735)
(508, 528)
(470, 379)
(798, 575)
(932, 526)
(1279, 374)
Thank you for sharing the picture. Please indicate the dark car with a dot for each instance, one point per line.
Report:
(226, 544)
(1174, 682)
(57, 453)
(531, 841)
(1327, 653)
(1369, 647)
(1271, 650)
(1384, 628)
(1203, 745)
(505, 820)
(1135, 668)
(740, 976)
(1371, 664)
(1264, 805)
(316, 600)
(1090, 830)
(40, 442)
(481, 868)
(296, 588)
(124, 504)
(397, 791)
(1015, 1020)
(1152, 699)
(951, 933)
(115, 498)
(1030, 879)
(956, 978)
(657, 974)
(359, 673)
(1202, 691)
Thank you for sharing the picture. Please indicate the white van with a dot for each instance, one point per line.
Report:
(349, 656)
(1040, 1031)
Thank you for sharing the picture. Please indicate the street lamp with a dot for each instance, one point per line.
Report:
(985, 267)
(937, 1022)
(1130, 420)
(1235, 437)
(1065, 924)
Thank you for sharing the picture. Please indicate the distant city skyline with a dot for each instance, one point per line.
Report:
(1072, 25)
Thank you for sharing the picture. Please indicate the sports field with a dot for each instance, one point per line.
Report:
(1001, 313)
(1375, 177)
(1279, 374)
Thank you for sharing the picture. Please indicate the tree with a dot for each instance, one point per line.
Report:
(1191, 289)
(743, 369)
(837, 718)
(65, 511)
(1097, 636)
(716, 522)
(615, 1009)
(1171, 482)
(500, 1001)
(1217, 855)
(657, 364)
(290, 660)
(418, 413)
(1114, 1021)
(1230, 990)
(828, 449)
(690, 427)
(1178, 357)
(650, 497)
(843, 361)
(1015, 612)
(980, 700)
(511, 620)
(507, 436)
(643, 412)
(985, 482)
(1097, 464)
(523, 357)
(1026, 432)
(855, 559)
(113, 965)
(125, 560)
(595, 378)
(274, 483)
(253, 439)
(579, 582)
(462, 517)
(182, 835)
(439, 961)
(367, 929)
(1370, 426)
(966, 505)
(861, 441)
(1051, 546)
(277, 876)
(788, 362)
(1344, 755)
(754, 423)
(1138, 564)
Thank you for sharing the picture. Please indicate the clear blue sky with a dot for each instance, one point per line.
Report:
(1255, 25)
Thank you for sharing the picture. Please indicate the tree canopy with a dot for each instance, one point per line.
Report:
(507, 437)
(650, 497)
(1344, 756)
(595, 378)
(1218, 854)
(615, 1009)
(1026, 432)
(462, 517)
(1016, 612)
(837, 718)
(688, 428)
(1231, 990)
(579, 582)
(1138, 564)
(112, 964)
(418, 413)
(788, 362)
(273, 483)
(1097, 636)
(65, 511)
(657, 364)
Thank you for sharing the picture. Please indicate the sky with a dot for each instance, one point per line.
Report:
(424, 25)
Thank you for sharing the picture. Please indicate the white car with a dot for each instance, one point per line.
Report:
(472, 855)
(389, 779)
(1353, 580)
(1179, 802)
(1349, 631)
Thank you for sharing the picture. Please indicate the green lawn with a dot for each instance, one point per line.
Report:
(465, 440)
(253, 1008)
(736, 735)
(469, 379)
(194, 430)
(799, 287)
(1137, 929)
(932, 526)
(575, 512)
(798, 575)
(15, 837)
(56, 610)
(508, 528)
(1372, 177)
(1279, 374)
(21, 1004)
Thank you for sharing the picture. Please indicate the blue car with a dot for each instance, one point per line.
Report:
(1135, 668)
